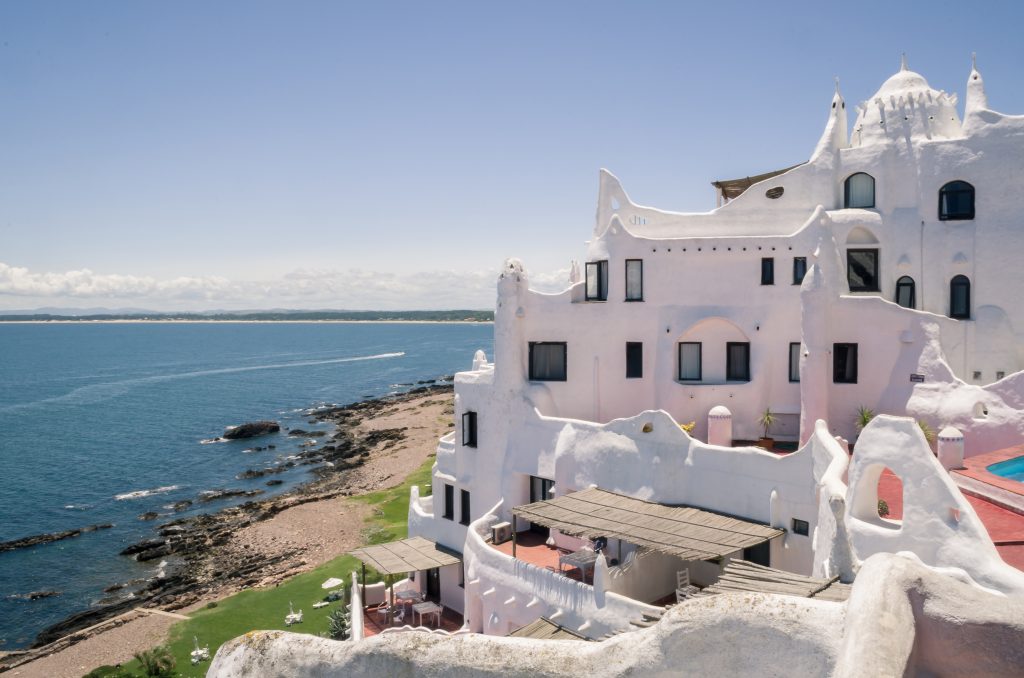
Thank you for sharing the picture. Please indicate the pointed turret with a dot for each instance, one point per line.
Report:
(976, 99)
(834, 137)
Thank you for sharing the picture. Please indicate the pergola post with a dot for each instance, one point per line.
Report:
(389, 582)
(513, 543)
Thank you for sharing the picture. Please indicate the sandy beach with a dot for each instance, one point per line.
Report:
(300, 537)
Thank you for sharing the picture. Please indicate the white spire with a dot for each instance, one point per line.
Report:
(903, 62)
(976, 99)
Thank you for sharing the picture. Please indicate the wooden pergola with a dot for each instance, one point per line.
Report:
(683, 531)
(401, 557)
(741, 576)
(545, 629)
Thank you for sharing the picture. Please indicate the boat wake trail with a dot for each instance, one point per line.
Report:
(95, 393)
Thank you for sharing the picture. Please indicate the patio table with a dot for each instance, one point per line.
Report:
(429, 608)
(583, 560)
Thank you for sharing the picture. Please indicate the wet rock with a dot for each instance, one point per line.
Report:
(181, 505)
(307, 434)
(35, 595)
(35, 540)
(149, 515)
(251, 429)
(272, 483)
(215, 495)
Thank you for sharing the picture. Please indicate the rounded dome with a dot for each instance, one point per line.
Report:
(902, 82)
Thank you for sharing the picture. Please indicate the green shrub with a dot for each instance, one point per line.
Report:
(157, 663)
(883, 508)
(339, 628)
(212, 604)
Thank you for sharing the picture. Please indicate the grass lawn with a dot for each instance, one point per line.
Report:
(264, 609)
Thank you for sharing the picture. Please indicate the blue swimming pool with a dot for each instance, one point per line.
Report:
(1011, 468)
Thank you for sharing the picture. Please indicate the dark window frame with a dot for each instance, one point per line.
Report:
(601, 268)
(565, 360)
(469, 433)
(859, 250)
(954, 312)
(767, 270)
(626, 271)
(961, 187)
(905, 281)
(846, 192)
(801, 527)
(634, 363)
(700, 361)
(839, 376)
(730, 368)
(797, 263)
(791, 362)
(449, 502)
(464, 508)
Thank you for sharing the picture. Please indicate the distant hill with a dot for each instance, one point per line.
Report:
(266, 316)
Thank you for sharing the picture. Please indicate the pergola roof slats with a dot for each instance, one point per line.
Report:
(742, 576)
(406, 555)
(687, 532)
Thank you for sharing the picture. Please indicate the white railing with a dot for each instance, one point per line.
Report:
(446, 454)
(356, 609)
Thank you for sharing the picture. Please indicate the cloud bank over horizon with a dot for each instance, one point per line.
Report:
(350, 289)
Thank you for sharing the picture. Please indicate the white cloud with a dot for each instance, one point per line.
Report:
(302, 288)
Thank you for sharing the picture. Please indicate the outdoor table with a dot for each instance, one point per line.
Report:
(583, 560)
(427, 607)
(409, 596)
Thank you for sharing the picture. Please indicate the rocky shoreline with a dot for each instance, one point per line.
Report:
(196, 562)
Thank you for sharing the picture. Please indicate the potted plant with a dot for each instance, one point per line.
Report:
(767, 420)
(864, 417)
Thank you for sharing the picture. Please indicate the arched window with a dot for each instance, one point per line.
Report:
(859, 190)
(960, 297)
(905, 292)
(956, 201)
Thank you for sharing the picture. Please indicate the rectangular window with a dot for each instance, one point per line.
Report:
(862, 270)
(547, 361)
(462, 575)
(464, 507)
(540, 489)
(768, 271)
(449, 502)
(737, 361)
(469, 429)
(799, 269)
(634, 279)
(844, 363)
(689, 361)
(794, 362)
(597, 281)
(801, 527)
(634, 360)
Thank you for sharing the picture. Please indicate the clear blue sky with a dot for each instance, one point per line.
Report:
(379, 154)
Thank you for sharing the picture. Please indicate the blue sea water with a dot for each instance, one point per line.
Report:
(90, 412)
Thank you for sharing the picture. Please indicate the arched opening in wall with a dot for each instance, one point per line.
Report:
(905, 292)
(877, 491)
(890, 496)
(980, 411)
(859, 191)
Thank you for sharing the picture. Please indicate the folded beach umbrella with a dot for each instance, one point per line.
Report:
(331, 583)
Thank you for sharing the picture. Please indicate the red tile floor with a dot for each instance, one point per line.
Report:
(531, 548)
(374, 623)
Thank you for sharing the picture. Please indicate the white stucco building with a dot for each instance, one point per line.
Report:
(879, 274)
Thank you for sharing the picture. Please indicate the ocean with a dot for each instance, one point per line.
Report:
(103, 422)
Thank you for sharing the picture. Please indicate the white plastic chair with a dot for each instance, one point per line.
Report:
(684, 589)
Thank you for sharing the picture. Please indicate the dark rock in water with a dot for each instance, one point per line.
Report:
(426, 381)
(35, 540)
(214, 495)
(149, 515)
(271, 447)
(251, 429)
(82, 620)
(35, 595)
(147, 545)
(307, 434)
(447, 377)
(260, 472)
(181, 505)
(272, 483)
(113, 587)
